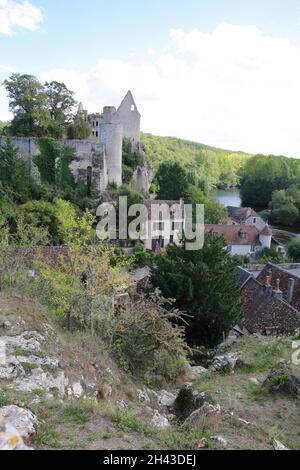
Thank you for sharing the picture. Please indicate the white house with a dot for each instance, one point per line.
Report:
(166, 223)
(243, 240)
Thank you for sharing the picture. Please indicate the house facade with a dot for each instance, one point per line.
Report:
(242, 240)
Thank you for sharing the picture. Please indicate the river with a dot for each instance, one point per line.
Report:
(227, 197)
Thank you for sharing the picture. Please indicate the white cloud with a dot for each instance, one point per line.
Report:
(234, 88)
(19, 14)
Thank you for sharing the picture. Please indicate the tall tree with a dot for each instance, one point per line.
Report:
(204, 285)
(172, 181)
(61, 103)
(29, 104)
(15, 179)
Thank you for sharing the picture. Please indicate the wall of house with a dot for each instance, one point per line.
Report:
(242, 250)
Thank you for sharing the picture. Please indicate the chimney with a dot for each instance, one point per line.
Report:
(277, 293)
(269, 289)
(291, 287)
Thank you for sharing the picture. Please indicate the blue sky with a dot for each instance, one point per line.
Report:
(221, 72)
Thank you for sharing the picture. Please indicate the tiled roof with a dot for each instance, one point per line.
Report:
(278, 273)
(267, 231)
(243, 275)
(233, 234)
(241, 214)
(265, 314)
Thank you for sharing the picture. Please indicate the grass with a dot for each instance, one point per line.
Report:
(4, 400)
(28, 367)
(47, 437)
(78, 414)
(129, 421)
(262, 355)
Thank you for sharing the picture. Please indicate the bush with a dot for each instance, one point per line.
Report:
(293, 248)
(146, 344)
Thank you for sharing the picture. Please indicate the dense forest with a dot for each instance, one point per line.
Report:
(212, 167)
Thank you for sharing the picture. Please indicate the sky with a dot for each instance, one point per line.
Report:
(225, 72)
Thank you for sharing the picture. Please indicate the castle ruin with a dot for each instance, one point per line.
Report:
(98, 160)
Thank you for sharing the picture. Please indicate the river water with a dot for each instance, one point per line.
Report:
(227, 197)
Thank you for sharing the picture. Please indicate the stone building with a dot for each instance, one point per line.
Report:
(270, 303)
(98, 160)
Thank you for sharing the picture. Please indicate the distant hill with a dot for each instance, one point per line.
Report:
(212, 167)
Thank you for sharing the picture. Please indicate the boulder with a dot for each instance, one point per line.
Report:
(224, 363)
(220, 440)
(166, 398)
(143, 396)
(11, 368)
(159, 421)
(195, 372)
(195, 420)
(10, 438)
(24, 421)
(42, 380)
(282, 380)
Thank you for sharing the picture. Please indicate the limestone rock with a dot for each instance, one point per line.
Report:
(143, 396)
(41, 380)
(10, 438)
(166, 398)
(254, 381)
(195, 372)
(195, 419)
(281, 379)
(220, 440)
(21, 419)
(224, 363)
(76, 390)
(29, 341)
(159, 421)
(11, 369)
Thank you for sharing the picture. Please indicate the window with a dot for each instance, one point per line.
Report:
(93, 133)
(253, 248)
(254, 220)
(132, 108)
(97, 123)
(158, 226)
(97, 134)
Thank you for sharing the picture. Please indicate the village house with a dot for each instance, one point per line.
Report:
(242, 240)
(166, 223)
(271, 302)
(249, 217)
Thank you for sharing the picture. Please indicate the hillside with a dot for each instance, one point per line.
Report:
(212, 167)
(63, 390)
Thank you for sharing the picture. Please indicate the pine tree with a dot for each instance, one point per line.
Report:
(204, 285)
(15, 179)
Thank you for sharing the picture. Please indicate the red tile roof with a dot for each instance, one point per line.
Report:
(278, 273)
(265, 314)
(233, 234)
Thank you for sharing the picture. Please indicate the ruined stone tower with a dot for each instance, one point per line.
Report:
(111, 138)
(98, 160)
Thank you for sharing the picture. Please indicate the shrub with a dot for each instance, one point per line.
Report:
(145, 335)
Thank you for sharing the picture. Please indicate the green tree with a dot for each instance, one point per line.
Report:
(15, 178)
(293, 249)
(79, 128)
(29, 104)
(61, 103)
(215, 213)
(172, 181)
(204, 285)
